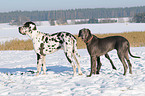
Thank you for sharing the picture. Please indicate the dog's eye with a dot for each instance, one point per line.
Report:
(25, 25)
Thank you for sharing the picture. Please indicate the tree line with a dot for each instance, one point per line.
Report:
(87, 13)
(139, 18)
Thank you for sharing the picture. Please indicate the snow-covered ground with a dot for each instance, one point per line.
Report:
(59, 80)
(17, 67)
(8, 32)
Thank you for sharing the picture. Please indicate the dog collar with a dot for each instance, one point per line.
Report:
(89, 39)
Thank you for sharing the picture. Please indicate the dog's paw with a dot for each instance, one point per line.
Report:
(44, 73)
(80, 73)
(74, 75)
(97, 72)
(37, 74)
(130, 72)
(88, 75)
(114, 68)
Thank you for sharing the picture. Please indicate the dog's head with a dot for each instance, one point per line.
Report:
(84, 34)
(27, 28)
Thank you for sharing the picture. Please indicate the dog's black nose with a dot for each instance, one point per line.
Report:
(19, 28)
(79, 35)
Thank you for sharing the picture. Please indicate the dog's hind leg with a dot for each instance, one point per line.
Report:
(107, 56)
(128, 61)
(121, 57)
(99, 64)
(69, 58)
(79, 68)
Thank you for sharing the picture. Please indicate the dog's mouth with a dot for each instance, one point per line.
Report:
(21, 31)
(82, 38)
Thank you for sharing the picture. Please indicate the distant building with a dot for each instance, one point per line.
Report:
(124, 19)
(107, 20)
(93, 20)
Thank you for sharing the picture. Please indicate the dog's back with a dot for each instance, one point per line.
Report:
(114, 42)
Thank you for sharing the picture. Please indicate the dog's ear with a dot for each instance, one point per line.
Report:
(26, 24)
(88, 31)
(30, 24)
(35, 28)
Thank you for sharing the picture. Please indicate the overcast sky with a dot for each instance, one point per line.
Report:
(32, 5)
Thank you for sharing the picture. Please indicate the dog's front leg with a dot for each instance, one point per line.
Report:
(93, 66)
(44, 65)
(39, 63)
(99, 64)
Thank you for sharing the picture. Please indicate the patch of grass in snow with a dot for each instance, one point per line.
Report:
(17, 45)
(136, 39)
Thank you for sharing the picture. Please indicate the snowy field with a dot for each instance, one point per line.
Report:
(8, 32)
(17, 78)
(17, 68)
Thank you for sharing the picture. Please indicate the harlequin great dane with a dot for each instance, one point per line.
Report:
(49, 43)
(101, 46)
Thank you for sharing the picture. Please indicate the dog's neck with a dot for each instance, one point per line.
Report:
(34, 33)
(89, 39)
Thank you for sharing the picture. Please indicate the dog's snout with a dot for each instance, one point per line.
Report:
(79, 35)
(21, 31)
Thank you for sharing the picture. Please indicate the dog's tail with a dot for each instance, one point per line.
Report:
(75, 47)
(130, 52)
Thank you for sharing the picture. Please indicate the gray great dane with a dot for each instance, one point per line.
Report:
(101, 46)
(49, 43)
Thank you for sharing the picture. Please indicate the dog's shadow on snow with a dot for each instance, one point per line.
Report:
(59, 69)
(14, 70)
(55, 69)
